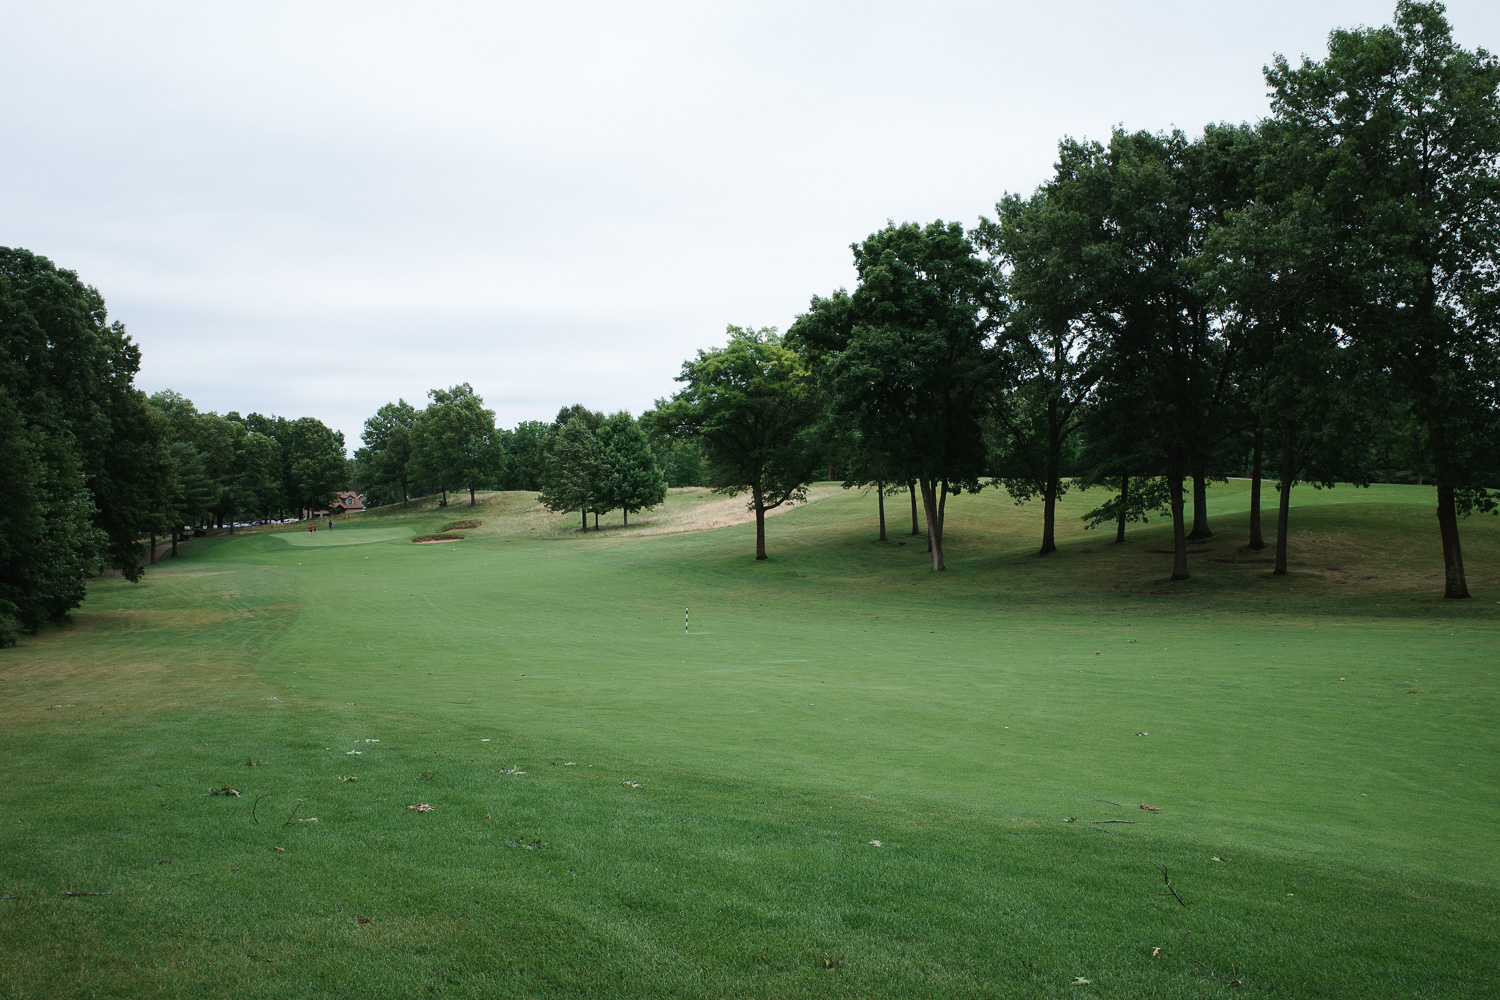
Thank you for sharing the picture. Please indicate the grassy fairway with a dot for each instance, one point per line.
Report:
(697, 811)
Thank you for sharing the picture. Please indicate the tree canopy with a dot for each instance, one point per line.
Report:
(753, 406)
(454, 443)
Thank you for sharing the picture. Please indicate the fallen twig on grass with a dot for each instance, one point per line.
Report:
(1096, 822)
(1215, 977)
(85, 894)
(1109, 803)
(252, 808)
(1168, 880)
(293, 814)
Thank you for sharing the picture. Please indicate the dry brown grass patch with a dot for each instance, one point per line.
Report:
(160, 659)
(431, 539)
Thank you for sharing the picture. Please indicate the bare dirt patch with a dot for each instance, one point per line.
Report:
(434, 539)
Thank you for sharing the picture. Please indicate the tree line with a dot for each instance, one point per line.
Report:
(95, 471)
(582, 461)
(1308, 299)
(92, 470)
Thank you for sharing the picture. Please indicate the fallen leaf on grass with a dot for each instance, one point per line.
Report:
(524, 845)
(421, 807)
(280, 849)
(876, 843)
(225, 789)
(310, 819)
(352, 753)
(512, 770)
(1150, 808)
(349, 777)
(631, 784)
(361, 920)
(1080, 981)
(1155, 952)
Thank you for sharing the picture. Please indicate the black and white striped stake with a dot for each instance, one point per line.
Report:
(684, 620)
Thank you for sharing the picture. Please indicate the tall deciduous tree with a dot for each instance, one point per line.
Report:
(633, 482)
(1035, 244)
(314, 460)
(386, 454)
(908, 358)
(1147, 202)
(575, 475)
(753, 407)
(1400, 129)
(454, 443)
(47, 539)
(67, 374)
(525, 449)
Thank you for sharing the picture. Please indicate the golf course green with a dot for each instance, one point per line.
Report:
(847, 777)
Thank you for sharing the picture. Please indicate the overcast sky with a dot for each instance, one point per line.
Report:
(314, 208)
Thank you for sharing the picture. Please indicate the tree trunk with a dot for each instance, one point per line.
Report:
(1455, 586)
(596, 520)
(1179, 534)
(585, 517)
(933, 507)
(1257, 540)
(880, 501)
(625, 517)
(471, 496)
(1049, 491)
(153, 550)
(1124, 499)
(912, 488)
(1284, 503)
(757, 501)
(1049, 517)
(1200, 508)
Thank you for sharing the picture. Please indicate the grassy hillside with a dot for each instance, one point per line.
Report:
(620, 808)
